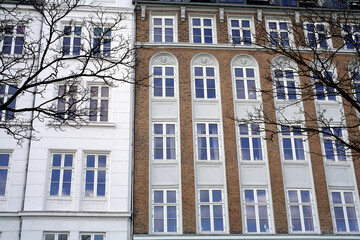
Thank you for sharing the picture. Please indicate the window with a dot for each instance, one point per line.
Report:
(207, 138)
(102, 42)
(165, 211)
(6, 92)
(324, 91)
(256, 210)
(279, 32)
(317, 35)
(61, 174)
(205, 86)
(92, 236)
(72, 40)
(292, 143)
(250, 142)
(95, 175)
(356, 82)
(211, 207)
(164, 141)
(301, 211)
(163, 28)
(164, 81)
(351, 35)
(4, 172)
(245, 82)
(345, 212)
(66, 107)
(290, 3)
(13, 39)
(56, 236)
(202, 30)
(334, 149)
(285, 84)
(240, 31)
(99, 103)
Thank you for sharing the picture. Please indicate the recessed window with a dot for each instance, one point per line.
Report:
(6, 93)
(317, 35)
(56, 236)
(92, 236)
(164, 81)
(292, 141)
(13, 38)
(240, 31)
(61, 174)
(163, 29)
(279, 33)
(205, 82)
(99, 103)
(207, 139)
(333, 148)
(95, 175)
(164, 136)
(286, 88)
(67, 101)
(102, 42)
(324, 92)
(351, 35)
(211, 210)
(4, 171)
(245, 82)
(72, 40)
(202, 29)
(250, 142)
(165, 211)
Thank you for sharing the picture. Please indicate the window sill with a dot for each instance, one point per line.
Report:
(209, 162)
(164, 99)
(296, 162)
(95, 199)
(165, 162)
(206, 100)
(60, 198)
(252, 162)
(338, 163)
(100, 124)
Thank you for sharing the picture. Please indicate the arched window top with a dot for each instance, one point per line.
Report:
(244, 61)
(203, 59)
(163, 58)
(282, 62)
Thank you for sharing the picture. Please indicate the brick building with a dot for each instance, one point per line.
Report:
(201, 175)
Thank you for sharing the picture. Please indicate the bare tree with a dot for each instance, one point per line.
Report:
(46, 45)
(314, 81)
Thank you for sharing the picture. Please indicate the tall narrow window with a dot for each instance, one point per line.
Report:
(102, 42)
(211, 207)
(56, 236)
(324, 91)
(99, 103)
(4, 171)
(317, 35)
(164, 141)
(285, 84)
(205, 83)
(345, 211)
(164, 81)
(250, 142)
(13, 39)
(72, 40)
(95, 175)
(245, 82)
(165, 211)
(61, 174)
(202, 29)
(163, 28)
(240, 31)
(279, 33)
(66, 107)
(334, 149)
(292, 141)
(207, 138)
(6, 92)
(356, 83)
(351, 35)
(256, 208)
(301, 211)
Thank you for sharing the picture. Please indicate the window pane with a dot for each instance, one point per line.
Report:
(217, 196)
(249, 196)
(171, 196)
(158, 197)
(204, 195)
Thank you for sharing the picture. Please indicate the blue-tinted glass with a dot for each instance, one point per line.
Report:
(348, 196)
(210, 72)
(283, 26)
(56, 160)
(214, 148)
(170, 128)
(169, 91)
(284, 39)
(261, 196)
(245, 23)
(353, 225)
(90, 161)
(168, 21)
(338, 212)
(218, 218)
(250, 73)
(170, 148)
(4, 160)
(55, 176)
(204, 196)
(247, 37)
(171, 212)
(19, 45)
(196, 21)
(255, 129)
(7, 44)
(234, 23)
(171, 197)
(322, 40)
(157, 87)
(102, 161)
(197, 39)
(202, 149)
(205, 218)
(99, 237)
(216, 195)
(207, 22)
(66, 188)
(329, 151)
(157, 21)
(305, 196)
(243, 128)
(213, 128)
(199, 88)
(272, 25)
(293, 197)
(312, 39)
(287, 149)
(158, 197)
(257, 148)
(67, 175)
(97, 31)
(171, 225)
(158, 148)
(158, 212)
(89, 176)
(211, 92)
(201, 128)
(198, 71)
(249, 196)
(158, 71)
(245, 143)
(251, 89)
(68, 160)
(239, 72)
(89, 189)
(3, 175)
(336, 197)
(54, 189)
(251, 224)
(12, 89)
(235, 33)
(280, 90)
(274, 38)
(299, 149)
(100, 189)
(240, 89)
(158, 128)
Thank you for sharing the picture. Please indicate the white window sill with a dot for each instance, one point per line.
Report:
(60, 198)
(95, 199)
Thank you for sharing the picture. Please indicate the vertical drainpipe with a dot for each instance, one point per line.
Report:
(31, 127)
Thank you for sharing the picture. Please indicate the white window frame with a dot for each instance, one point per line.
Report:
(256, 205)
(164, 136)
(301, 204)
(92, 235)
(344, 207)
(103, 37)
(7, 168)
(325, 87)
(14, 36)
(279, 32)
(207, 136)
(62, 168)
(204, 79)
(163, 78)
(96, 170)
(211, 205)
(72, 37)
(99, 99)
(163, 26)
(241, 29)
(5, 97)
(245, 79)
(352, 34)
(165, 204)
(285, 81)
(202, 27)
(251, 136)
(71, 94)
(333, 144)
(56, 235)
(292, 138)
(318, 43)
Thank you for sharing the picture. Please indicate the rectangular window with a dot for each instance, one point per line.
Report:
(6, 92)
(291, 3)
(202, 30)
(102, 42)
(92, 236)
(95, 175)
(240, 31)
(56, 236)
(256, 208)
(13, 39)
(317, 35)
(250, 142)
(165, 211)
(164, 81)
(345, 211)
(245, 83)
(301, 212)
(99, 103)
(67, 99)
(4, 172)
(292, 141)
(164, 141)
(207, 139)
(205, 84)
(333, 148)
(72, 40)
(285, 84)
(351, 35)
(163, 28)
(279, 33)
(323, 91)
(61, 174)
(356, 82)
(211, 210)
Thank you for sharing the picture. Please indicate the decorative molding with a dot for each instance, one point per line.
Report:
(204, 60)
(163, 59)
(221, 14)
(297, 17)
(259, 15)
(243, 61)
(183, 16)
(143, 13)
